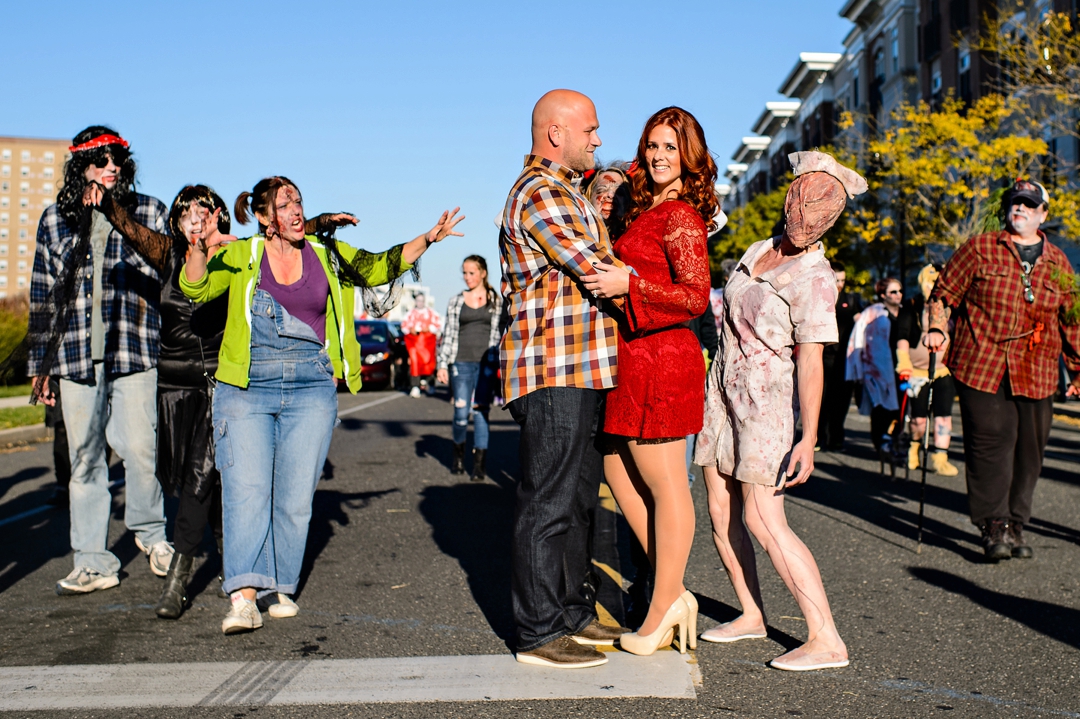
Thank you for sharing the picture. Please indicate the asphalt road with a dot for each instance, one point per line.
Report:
(405, 561)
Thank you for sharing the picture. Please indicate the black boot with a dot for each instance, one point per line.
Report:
(458, 467)
(174, 599)
(478, 457)
(994, 539)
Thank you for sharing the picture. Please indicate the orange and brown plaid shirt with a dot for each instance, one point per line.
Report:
(559, 335)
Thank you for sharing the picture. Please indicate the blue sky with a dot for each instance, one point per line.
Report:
(392, 111)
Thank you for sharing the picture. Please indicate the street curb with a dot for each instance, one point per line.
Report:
(25, 435)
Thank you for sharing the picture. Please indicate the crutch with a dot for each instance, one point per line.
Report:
(926, 446)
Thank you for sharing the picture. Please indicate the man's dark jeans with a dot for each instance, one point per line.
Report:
(556, 500)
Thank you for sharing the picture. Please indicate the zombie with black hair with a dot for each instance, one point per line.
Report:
(94, 323)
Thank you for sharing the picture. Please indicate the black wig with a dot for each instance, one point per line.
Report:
(69, 199)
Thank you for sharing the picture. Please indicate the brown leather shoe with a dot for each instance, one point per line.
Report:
(562, 653)
(597, 634)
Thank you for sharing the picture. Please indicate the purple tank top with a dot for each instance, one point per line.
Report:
(304, 299)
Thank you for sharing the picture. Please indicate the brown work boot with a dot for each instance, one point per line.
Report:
(1014, 535)
(994, 540)
(562, 653)
(596, 634)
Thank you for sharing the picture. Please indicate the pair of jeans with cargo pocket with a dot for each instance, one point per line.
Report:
(270, 443)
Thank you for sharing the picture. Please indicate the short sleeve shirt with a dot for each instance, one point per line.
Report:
(751, 403)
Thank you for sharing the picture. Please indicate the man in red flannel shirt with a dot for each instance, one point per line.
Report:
(1012, 292)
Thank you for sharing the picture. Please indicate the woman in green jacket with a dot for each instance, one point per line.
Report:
(288, 341)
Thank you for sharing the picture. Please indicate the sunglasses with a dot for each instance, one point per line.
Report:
(117, 154)
(895, 292)
(1027, 202)
(1029, 294)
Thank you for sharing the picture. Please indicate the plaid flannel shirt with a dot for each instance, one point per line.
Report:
(559, 335)
(131, 293)
(448, 344)
(996, 329)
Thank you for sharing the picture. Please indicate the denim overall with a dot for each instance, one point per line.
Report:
(270, 443)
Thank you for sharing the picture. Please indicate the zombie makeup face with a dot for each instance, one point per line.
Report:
(814, 203)
(195, 222)
(604, 195)
(1025, 217)
(289, 214)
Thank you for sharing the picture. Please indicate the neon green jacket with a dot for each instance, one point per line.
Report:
(236, 269)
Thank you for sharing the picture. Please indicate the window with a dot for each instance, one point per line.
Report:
(4, 217)
(5, 201)
(24, 171)
(23, 250)
(5, 186)
(46, 202)
(855, 89)
(879, 64)
(24, 187)
(24, 202)
(3, 265)
(22, 265)
(25, 156)
(47, 173)
(935, 78)
(3, 281)
(47, 187)
(6, 154)
(895, 48)
(5, 170)
(50, 158)
(3, 236)
(22, 234)
(24, 218)
(21, 283)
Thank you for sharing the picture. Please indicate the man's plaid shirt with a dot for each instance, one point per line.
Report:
(131, 292)
(558, 336)
(995, 325)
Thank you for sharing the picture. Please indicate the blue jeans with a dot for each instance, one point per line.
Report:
(556, 502)
(122, 411)
(463, 378)
(270, 443)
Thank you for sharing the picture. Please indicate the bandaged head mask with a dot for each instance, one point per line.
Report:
(817, 196)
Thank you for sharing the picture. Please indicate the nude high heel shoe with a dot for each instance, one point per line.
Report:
(692, 605)
(646, 644)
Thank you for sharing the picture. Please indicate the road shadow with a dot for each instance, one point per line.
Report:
(1052, 620)
(327, 510)
(876, 499)
(473, 522)
(23, 475)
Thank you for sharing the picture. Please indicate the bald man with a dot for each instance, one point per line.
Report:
(558, 358)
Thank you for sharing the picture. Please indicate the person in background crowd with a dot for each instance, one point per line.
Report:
(661, 392)
(422, 327)
(610, 195)
(870, 361)
(780, 298)
(472, 329)
(558, 356)
(288, 341)
(1015, 308)
(94, 323)
(836, 397)
(913, 366)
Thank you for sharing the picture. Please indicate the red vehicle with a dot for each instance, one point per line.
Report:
(382, 351)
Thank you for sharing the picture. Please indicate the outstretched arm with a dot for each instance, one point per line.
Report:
(153, 246)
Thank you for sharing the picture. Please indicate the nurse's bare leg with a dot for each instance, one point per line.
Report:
(663, 470)
(737, 553)
(796, 566)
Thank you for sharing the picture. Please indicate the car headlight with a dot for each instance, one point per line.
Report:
(376, 357)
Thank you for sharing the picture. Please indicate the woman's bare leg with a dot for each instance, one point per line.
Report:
(662, 468)
(796, 566)
(632, 496)
(737, 553)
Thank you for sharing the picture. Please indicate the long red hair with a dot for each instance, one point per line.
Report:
(698, 168)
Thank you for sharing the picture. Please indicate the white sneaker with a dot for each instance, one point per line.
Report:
(160, 555)
(414, 392)
(84, 580)
(279, 606)
(243, 616)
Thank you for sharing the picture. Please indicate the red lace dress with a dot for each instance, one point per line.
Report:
(661, 389)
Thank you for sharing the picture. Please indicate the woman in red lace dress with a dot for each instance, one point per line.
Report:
(660, 397)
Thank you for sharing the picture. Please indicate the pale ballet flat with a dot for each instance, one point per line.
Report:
(835, 664)
(646, 644)
(710, 636)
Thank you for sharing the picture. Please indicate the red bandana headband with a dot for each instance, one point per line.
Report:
(100, 141)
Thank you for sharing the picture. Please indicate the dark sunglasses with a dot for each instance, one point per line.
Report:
(1027, 202)
(895, 292)
(1029, 294)
(118, 155)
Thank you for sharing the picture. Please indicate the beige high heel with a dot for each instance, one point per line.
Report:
(646, 644)
(692, 605)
